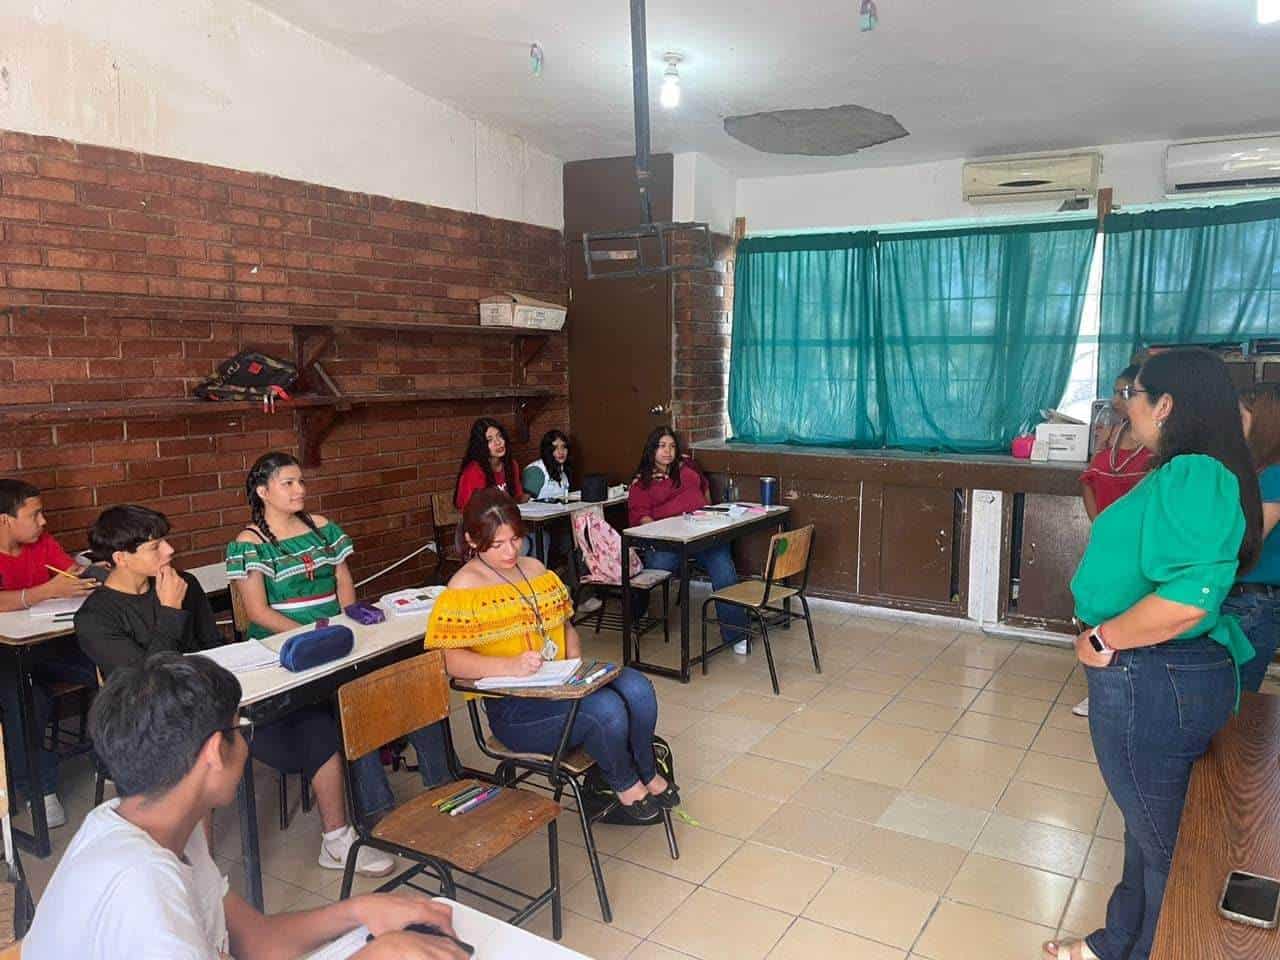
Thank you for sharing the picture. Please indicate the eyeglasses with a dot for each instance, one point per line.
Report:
(244, 727)
(1128, 391)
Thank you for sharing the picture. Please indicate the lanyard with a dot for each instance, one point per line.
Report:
(549, 649)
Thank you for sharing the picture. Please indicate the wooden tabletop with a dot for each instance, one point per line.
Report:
(559, 692)
(1231, 822)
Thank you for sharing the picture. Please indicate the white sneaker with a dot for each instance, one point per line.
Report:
(1081, 709)
(589, 605)
(53, 811)
(369, 862)
(740, 648)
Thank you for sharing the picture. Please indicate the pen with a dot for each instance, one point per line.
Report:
(475, 801)
(582, 671)
(463, 798)
(452, 797)
(598, 674)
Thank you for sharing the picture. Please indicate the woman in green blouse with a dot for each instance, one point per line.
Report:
(1161, 661)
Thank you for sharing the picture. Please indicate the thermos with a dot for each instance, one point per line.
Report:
(768, 491)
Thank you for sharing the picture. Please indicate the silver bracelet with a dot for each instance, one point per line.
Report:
(23, 598)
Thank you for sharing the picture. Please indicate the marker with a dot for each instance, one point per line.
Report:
(475, 801)
(467, 795)
(451, 797)
(598, 674)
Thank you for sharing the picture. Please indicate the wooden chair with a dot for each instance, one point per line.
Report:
(389, 704)
(564, 769)
(15, 899)
(445, 518)
(788, 558)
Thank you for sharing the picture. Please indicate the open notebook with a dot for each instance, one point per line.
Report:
(552, 674)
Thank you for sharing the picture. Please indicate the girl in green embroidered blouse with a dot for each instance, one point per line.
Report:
(291, 565)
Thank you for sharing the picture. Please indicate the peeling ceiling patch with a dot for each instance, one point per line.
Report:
(825, 132)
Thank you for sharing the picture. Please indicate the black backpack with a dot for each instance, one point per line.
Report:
(597, 794)
(249, 375)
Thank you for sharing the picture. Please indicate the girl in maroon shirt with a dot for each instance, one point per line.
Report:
(665, 485)
(488, 463)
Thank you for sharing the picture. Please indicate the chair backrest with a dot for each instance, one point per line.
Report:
(444, 512)
(239, 613)
(392, 702)
(600, 546)
(788, 554)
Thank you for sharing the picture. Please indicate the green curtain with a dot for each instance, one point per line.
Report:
(1202, 275)
(803, 360)
(979, 330)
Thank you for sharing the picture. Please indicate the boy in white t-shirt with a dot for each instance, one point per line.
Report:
(137, 880)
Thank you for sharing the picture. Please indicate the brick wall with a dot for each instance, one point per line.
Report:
(700, 352)
(126, 276)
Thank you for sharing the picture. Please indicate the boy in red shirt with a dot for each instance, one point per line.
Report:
(26, 553)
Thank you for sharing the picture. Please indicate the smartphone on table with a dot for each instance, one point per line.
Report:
(1250, 898)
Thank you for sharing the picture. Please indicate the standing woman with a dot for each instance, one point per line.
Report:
(503, 615)
(1115, 469)
(1163, 663)
(291, 569)
(547, 478)
(487, 463)
(1255, 598)
(667, 485)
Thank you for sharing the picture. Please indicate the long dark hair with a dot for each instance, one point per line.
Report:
(486, 512)
(260, 474)
(478, 452)
(1263, 401)
(644, 472)
(547, 451)
(1206, 420)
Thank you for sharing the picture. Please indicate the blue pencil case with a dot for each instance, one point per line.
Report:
(303, 651)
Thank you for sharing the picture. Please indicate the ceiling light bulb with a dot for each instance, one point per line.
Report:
(669, 95)
(1268, 11)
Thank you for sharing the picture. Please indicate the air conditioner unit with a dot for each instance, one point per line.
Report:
(1064, 176)
(1240, 163)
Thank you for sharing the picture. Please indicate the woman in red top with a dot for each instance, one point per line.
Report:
(1121, 462)
(666, 485)
(487, 463)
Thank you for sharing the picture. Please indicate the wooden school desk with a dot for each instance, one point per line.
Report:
(686, 538)
(1231, 822)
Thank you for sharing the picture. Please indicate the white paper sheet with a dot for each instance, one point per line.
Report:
(552, 674)
(243, 657)
(61, 606)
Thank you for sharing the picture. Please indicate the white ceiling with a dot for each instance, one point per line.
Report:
(965, 78)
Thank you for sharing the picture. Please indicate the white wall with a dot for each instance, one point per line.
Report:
(920, 192)
(225, 82)
(703, 191)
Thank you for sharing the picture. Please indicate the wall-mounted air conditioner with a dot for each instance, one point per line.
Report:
(1239, 163)
(1063, 176)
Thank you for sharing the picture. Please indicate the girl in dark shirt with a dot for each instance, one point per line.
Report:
(147, 606)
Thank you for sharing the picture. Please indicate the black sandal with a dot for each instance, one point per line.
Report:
(644, 810)
(669, 798)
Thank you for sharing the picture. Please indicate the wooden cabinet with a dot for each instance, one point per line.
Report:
(911, 546)
(1047, 535)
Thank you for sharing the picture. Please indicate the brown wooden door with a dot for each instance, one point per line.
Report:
(620, 367)
(910, 543)
(1055, 530)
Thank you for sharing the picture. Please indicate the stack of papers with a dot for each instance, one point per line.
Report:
(243, 657)
(552, 674)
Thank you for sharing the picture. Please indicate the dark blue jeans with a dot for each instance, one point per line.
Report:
(718, 562)
(369, 779)
(1259, 617)
(69, 667)
(1152, 714)
(615, 725)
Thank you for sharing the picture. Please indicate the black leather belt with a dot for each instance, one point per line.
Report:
(1266, 589)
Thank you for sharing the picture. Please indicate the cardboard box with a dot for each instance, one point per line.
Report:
(514, 310)
(1062, 441)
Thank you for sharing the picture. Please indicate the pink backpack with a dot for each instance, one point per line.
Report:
(601, 547)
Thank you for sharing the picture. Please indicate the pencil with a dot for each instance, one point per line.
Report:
(61, 573)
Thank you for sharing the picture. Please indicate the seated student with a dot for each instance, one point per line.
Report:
(547, 478)
(291, 569)
(137, 879)
(503, 615)
(666, 485)
(27, 551)
(148, 606)
(487, 463)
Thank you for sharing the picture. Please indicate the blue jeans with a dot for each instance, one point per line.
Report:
(71, 667)
(369, 780)
(718, 562)
(1152, 714)
(1259, 617)
(615, 725)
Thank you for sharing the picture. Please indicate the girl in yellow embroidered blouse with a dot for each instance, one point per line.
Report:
(501, 616)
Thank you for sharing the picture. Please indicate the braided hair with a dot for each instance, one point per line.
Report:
(260, 474)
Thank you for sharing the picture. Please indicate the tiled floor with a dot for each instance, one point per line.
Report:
(929, 795)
